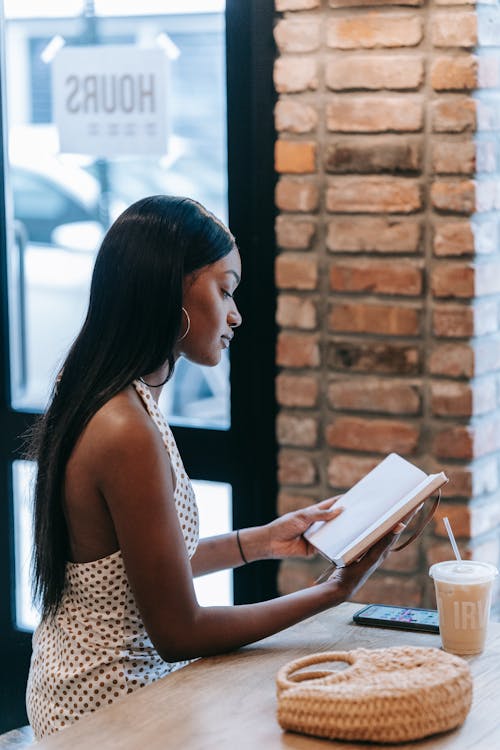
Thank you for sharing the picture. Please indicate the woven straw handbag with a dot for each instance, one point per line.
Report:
(385, 695)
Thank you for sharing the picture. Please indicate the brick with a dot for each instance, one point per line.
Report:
(295, 312)
(488, 71)
(488, 26)
(459, 517)
(401, 591)
(467, 441)
(486, 158)
(345, 470)
(484, 396)
(485, 235)
(487, 278)
(440, 552)
(486, 355)
(452, 360)
(346, 72)
(296, 390)
(468, 520)
(454, 73)
(294, 74)
(453, 321)
(296, 194)
(297, 35)
(296, 468)
(295, 575)
(374, 114)
(374, 357)
(449, 321)
(288, 502)
(371, 155)
(454, 157)
(381, 235)
(376, 276)
(366, 3)
(454, 114)
(295, 117)
(360, 317)
(450, 399)
(454, 442)
(282, 5)
(487, 195)
(296, 157)
(477, 478)
(374, 395)
(296, 431)
(488, 114)
(297, 350)
(454, 238)
(373, 195)
(377, 435)
(454, 29)
(296, 271)
(374, 30)
(465, 279)
(403, 561)
(456, 2)
(463, 321)
(453, 280)
(293, 234)
(487, 550)
(458, 196)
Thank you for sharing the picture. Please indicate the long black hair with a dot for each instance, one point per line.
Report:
(131, 328)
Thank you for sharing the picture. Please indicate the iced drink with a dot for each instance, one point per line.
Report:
(463, 593)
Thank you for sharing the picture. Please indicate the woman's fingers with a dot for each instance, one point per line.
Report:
(399, 527)
(329, 502)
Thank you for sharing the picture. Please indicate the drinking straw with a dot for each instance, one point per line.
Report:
(452, 539)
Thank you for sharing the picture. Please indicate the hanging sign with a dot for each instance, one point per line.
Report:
(111, 100)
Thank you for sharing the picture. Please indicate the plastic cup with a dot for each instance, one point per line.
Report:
(463, 593)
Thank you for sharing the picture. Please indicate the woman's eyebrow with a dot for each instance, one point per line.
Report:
(238, 279)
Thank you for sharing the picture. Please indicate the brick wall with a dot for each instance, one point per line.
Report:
(388, 270)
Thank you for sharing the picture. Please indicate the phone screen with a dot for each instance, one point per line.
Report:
(409, 618)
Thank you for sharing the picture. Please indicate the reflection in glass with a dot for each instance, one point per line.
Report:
(61, 203)
(214, 504)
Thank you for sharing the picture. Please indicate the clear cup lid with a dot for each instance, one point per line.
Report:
(463, 571)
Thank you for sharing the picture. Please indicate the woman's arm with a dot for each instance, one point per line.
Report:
(278, 539)
(135, 479)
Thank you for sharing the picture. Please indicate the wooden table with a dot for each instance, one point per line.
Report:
(228, 702)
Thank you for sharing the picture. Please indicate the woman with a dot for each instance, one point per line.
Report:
(116, 526)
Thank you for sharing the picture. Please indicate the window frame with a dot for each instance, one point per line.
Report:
(245, 455)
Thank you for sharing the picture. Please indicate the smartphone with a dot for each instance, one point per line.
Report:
(404, 618)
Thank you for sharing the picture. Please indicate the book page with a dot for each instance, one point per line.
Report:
(366, 502)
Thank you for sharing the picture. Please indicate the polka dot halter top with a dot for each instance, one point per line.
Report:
(96, 648)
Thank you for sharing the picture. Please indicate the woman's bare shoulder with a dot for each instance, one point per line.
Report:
(122, 423)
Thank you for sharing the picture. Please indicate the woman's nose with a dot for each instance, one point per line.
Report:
(234, 318)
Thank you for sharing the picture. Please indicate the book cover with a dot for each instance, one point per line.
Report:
(372, 507)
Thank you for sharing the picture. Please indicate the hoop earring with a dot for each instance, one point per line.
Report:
(188, 324)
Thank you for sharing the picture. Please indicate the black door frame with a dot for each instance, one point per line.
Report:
(244, 456)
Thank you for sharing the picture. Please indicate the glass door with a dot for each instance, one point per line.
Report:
(58, 194)
(149, 88)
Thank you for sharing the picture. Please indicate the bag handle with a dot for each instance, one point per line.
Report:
(423, 523)
(286, 678)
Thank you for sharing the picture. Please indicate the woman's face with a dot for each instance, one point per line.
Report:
(208, 299)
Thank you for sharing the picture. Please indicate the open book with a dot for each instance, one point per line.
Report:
(390, 491)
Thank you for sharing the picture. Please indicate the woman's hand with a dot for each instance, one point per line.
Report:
(349, 579)
(285, 533)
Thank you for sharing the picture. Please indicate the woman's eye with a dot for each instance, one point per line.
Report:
(226, 294)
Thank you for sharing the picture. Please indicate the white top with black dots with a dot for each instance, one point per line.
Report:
(96, 648)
